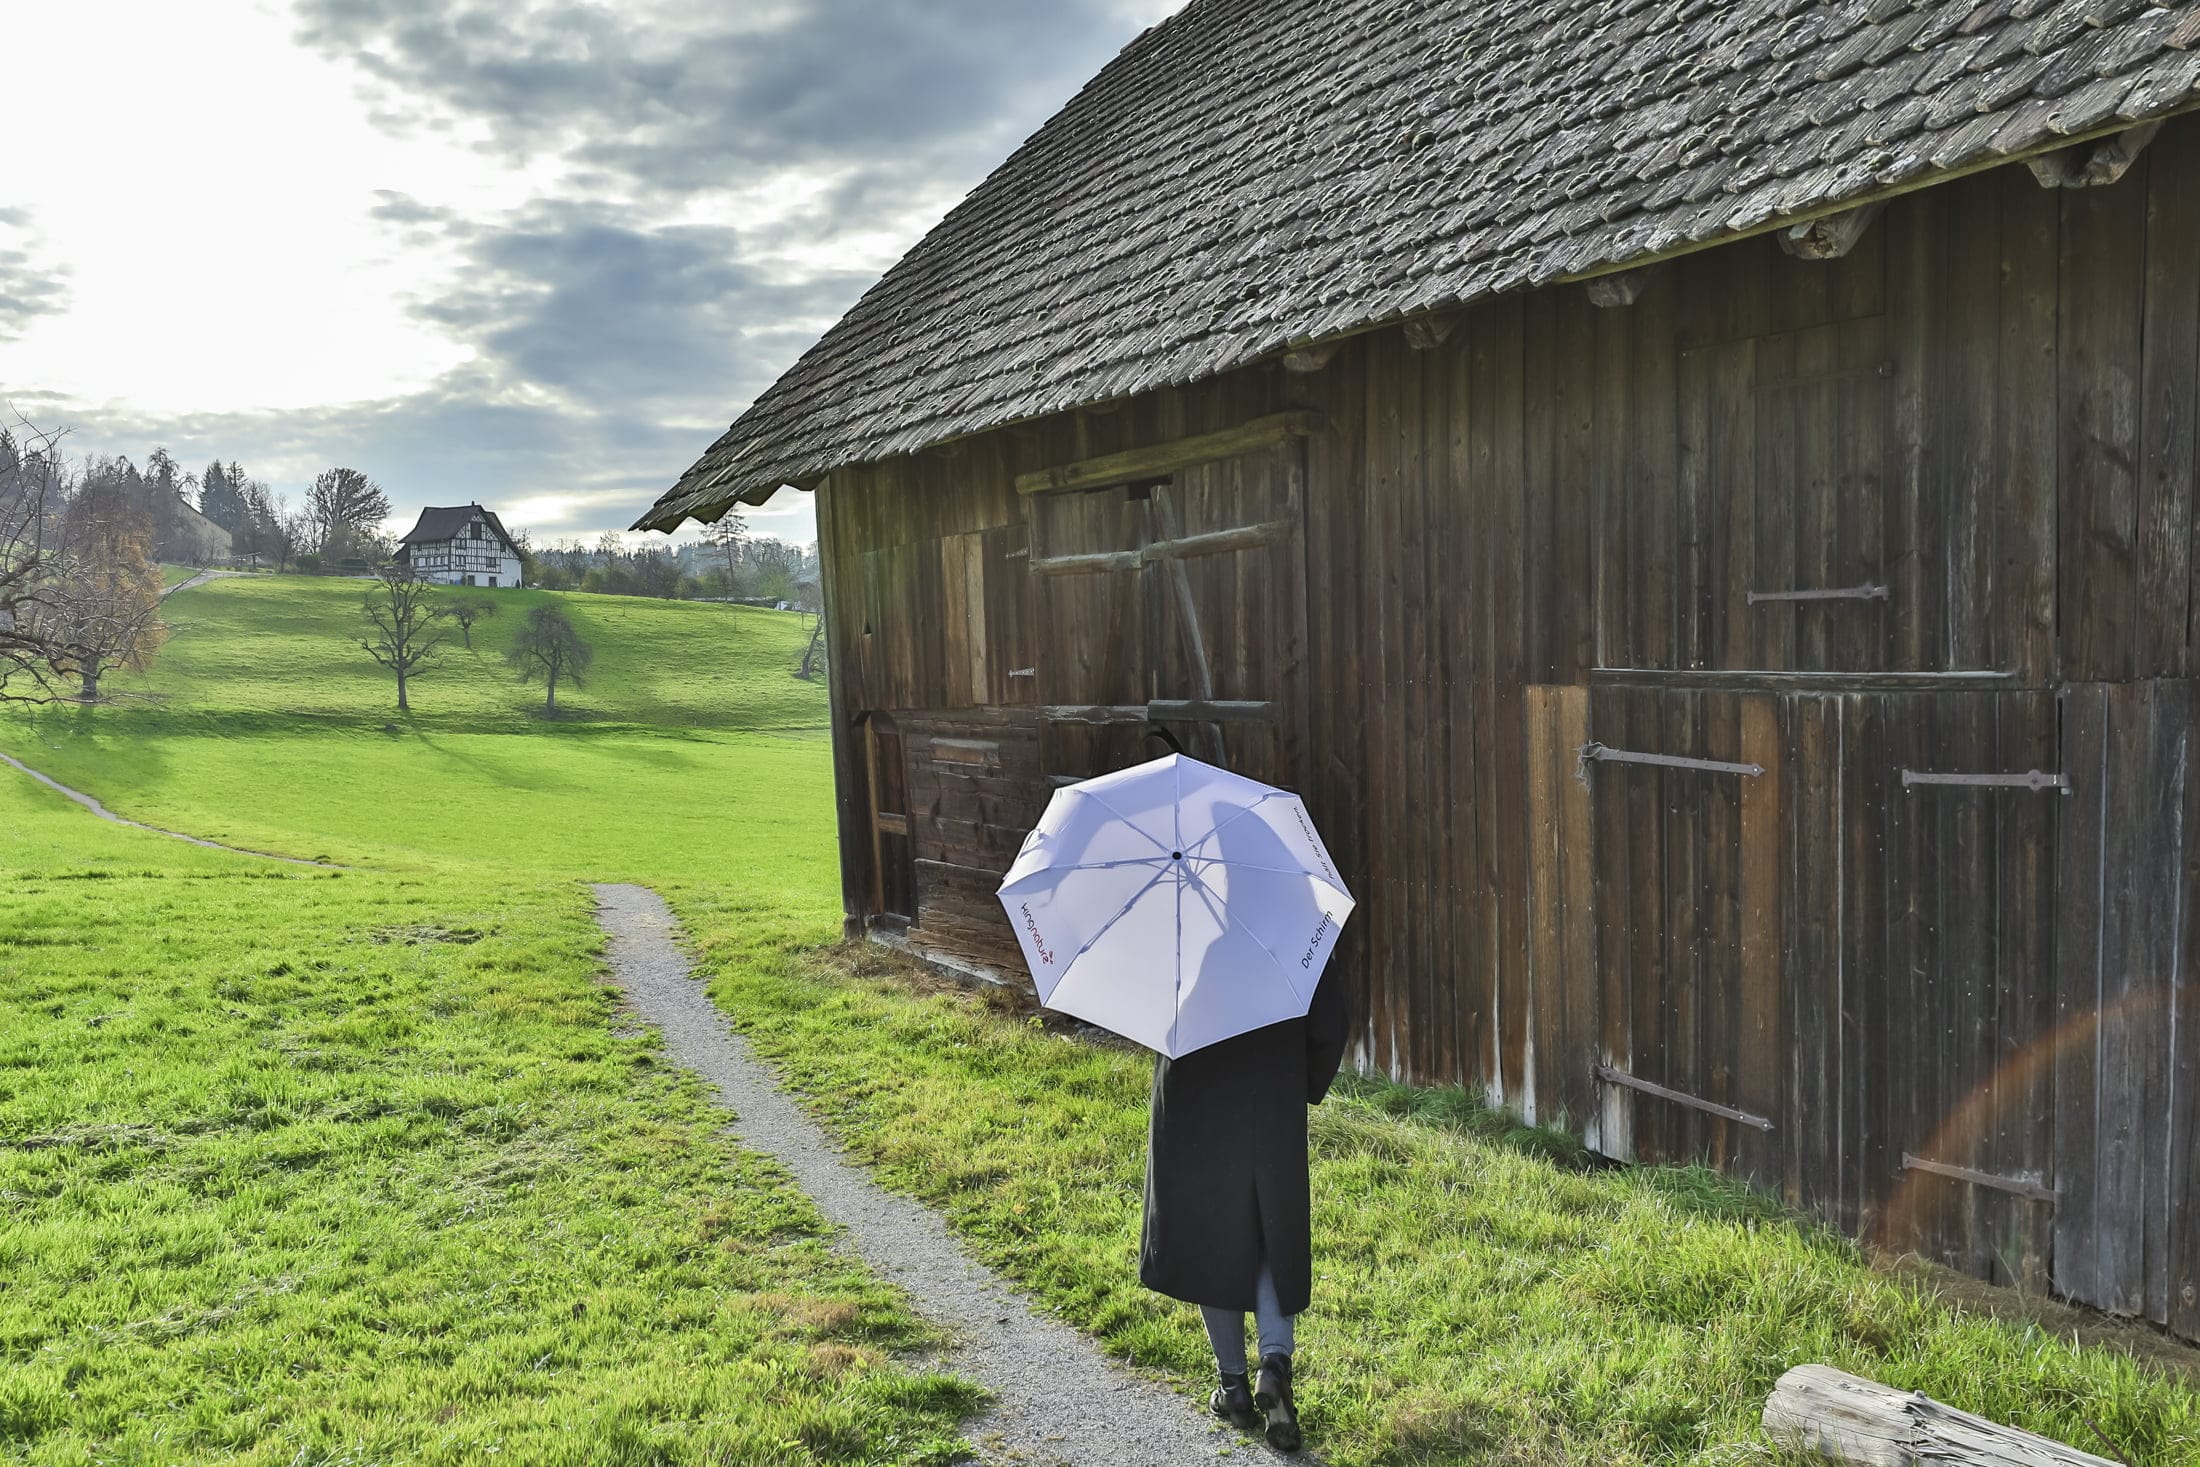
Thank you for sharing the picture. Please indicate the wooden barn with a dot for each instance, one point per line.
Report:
(1700, 498)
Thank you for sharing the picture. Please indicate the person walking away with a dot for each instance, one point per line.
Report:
(1227, 1213)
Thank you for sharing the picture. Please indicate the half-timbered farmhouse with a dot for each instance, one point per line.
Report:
(462, 546)
(1699, 496)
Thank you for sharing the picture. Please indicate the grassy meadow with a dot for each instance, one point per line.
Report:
(365, 1165)
(316, 1166)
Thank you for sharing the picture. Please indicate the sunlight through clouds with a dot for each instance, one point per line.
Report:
(532, 251)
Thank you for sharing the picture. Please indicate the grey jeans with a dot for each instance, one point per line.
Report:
(1226, 1327)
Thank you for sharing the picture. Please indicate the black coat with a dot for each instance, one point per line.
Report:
(1226, 1160)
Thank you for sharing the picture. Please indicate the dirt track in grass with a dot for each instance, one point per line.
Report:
(1057, 1399)
(106, 814)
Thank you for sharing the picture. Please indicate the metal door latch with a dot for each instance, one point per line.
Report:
(2032, 779)
(1595, 753)
(1839, 593)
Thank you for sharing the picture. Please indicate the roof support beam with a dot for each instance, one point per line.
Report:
(2094, 164)
(1311, 358)
(1426, 333)
(1831, 237)
(1163, 459)
(1621, 289)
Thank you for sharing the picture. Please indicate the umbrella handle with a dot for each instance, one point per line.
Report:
(1156, 731)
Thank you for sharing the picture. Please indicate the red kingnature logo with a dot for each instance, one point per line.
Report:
(1038, 943)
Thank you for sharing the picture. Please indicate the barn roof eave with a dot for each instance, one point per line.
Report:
(1285, 171)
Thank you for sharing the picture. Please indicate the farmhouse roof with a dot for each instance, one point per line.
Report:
(1255, 174)
(438, 525)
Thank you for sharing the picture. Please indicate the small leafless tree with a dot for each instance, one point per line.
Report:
(468, 609)
(405, 629)
(549, 648)
(813, 656)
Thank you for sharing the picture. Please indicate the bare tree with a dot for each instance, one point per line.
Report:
(345, 508)
(103, 612)
(813, 656)
(468, 609)
(549, 648)
(404, 627)
(33, 484)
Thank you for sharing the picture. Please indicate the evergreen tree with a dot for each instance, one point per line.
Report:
(221, 496)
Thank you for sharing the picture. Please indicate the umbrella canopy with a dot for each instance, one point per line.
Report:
(1176, 904)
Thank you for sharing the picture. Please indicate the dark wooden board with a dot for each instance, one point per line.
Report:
(2169, 395)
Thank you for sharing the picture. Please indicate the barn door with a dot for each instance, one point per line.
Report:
(1178, 601)
(1784, 492)
(1685, 794)
(893, 874)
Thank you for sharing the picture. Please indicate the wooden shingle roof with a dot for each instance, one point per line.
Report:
(437, 524)
(1254, 174)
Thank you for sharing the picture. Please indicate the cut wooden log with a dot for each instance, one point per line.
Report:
(1846, 1418)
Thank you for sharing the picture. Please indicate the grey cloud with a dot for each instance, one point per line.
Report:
(695, 94)
(571, 298)
(30, 286)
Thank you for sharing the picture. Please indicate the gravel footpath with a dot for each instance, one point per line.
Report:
(199, 580)
(1056, 1398)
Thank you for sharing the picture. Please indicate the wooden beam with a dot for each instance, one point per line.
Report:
(1183, 547)
(1211, 710)
(1846, 1418)
(1161, 511)
(1426, 333)
(1714, 680)
(1087, 565)
(2094, 164)
(1621, 289)
(1163, 459)
(1831, 237)
(1219, 542)
(1311, 358)
(1165, 710)
(1095, 713)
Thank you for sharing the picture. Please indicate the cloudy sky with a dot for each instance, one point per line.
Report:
(532, 252)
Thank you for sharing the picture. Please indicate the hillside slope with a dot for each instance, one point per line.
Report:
(691, 747)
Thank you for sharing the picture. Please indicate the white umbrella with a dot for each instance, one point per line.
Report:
(1176, 904)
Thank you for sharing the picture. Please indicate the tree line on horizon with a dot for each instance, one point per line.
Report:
(726, 564)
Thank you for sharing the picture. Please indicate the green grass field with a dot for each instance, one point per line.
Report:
(363, 1166)
(318, 1167)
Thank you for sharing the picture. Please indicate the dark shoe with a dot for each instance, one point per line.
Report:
(1272, 1393)
(1233, 1400)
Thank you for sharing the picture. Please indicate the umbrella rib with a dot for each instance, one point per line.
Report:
(1229, 865)
(1087, 866)
(1176, 862)
(1234, 819)
(1128, 903)
(1222, 909)
(1118, 814)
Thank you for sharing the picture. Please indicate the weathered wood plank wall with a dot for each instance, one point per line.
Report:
(1959, 1018)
